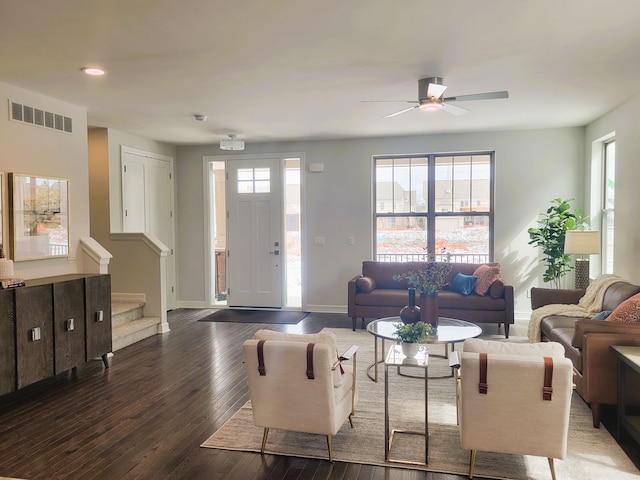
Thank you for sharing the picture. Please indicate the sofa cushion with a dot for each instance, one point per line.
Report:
(487, 274)
(366, 284)
(627, 312)
(618, 293)
(384, 297)
(462, 283)
(496, 290)
(448, 300)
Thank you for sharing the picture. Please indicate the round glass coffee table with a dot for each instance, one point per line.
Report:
(450, 331)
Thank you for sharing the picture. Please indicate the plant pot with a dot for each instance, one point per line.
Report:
(429, 308)
(410, 349)
(411, 313)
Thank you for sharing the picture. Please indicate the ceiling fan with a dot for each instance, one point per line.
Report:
(430, 98)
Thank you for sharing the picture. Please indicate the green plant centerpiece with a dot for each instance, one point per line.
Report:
(429, 280)
(418, 332)
(550, 236)
(412, 335)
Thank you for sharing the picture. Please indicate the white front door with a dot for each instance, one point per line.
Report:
(254, 253)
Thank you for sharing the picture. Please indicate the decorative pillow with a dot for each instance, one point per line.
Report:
(602, 315)
(327, 338)
(365, 284)
(627, 312)
(462, 283)
(496, 290)
(487, 274)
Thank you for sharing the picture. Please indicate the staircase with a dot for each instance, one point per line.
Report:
(129, 325)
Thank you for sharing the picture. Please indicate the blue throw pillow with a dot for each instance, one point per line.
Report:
(464, 284)
(602, 315)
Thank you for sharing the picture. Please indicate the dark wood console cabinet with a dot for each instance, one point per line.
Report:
(52, 325)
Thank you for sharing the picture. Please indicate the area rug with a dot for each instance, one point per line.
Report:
(592, 453)
(255, 316)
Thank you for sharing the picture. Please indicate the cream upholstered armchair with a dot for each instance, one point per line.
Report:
(514, 398)
(298, 383)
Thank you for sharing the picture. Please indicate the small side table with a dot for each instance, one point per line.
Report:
(628, 363)
(396, 358)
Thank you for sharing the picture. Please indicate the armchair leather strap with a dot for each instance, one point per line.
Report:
(482, 386)
(310, 374)
(548, 378)
(261, 358)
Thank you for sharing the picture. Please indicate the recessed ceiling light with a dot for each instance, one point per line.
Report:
(95, 71)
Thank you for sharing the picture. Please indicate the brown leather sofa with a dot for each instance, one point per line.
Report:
(375, 294)
(587, 341)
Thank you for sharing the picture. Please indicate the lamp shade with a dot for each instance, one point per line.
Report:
(582, 242)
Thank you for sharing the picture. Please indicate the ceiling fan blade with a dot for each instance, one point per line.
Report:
(401, 111)
(454, 109)
(478, 96)
(435, 90)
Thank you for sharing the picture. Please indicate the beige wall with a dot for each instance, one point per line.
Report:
(42, 151)
(624, 122)
(532, 167)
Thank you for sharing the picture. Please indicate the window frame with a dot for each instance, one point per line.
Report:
(607, 236)
(430, 214)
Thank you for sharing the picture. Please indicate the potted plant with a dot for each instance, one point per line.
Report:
(430, 280)
(550, 236)
(412, 334)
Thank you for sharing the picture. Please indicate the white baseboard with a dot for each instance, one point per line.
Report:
(326, 308)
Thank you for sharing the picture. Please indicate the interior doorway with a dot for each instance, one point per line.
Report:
(220, 215)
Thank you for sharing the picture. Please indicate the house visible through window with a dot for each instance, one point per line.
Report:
(434, 206)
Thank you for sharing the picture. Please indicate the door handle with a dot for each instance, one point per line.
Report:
(276, 252)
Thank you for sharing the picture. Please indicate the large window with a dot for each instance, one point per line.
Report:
(434, 206)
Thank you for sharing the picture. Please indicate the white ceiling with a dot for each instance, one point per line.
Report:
(300, 69)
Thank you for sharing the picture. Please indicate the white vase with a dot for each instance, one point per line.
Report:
(410, 349)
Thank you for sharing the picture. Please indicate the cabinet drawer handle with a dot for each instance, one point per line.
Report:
(99, 316)
(69, 325)
(35, 334)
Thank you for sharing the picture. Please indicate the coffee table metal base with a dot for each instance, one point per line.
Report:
(397, 359)
(450, 331)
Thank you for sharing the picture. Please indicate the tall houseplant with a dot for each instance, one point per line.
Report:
(550, 236)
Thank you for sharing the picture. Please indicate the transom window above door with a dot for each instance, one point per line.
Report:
(254, 180)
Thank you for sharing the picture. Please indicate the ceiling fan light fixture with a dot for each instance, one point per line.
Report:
(431, 104)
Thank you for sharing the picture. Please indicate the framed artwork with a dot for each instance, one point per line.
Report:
(39, 221)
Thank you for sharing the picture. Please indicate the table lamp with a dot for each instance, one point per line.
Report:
(582, 242)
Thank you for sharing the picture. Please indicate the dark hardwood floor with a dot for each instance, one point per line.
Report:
(146, 416)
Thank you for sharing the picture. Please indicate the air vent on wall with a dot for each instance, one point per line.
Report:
(35, 116)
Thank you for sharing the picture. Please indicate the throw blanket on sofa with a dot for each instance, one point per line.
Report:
(588, 306)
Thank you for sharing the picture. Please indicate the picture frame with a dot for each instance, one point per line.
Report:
(39, 217)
